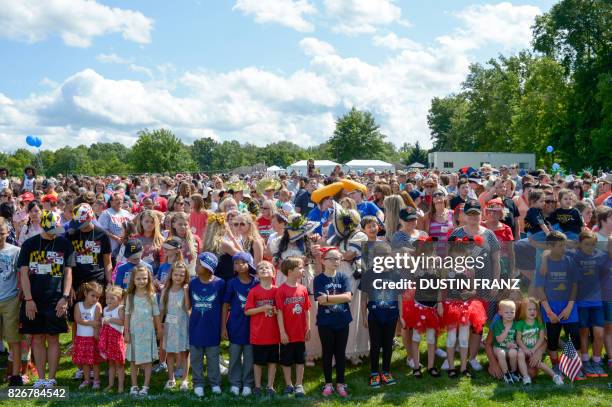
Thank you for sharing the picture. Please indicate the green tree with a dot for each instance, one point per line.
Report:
(441, 122)
(357, 136)
(578, 34)
(20, 159)
(282, 153)
(202, 152)
(160, 151)
(417, 155)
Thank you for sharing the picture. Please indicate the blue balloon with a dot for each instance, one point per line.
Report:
(556, 167)
(31, 141)
(38, 141)
(550, 149)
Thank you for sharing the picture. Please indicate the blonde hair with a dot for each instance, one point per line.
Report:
(215, 231)
(393, 204)
(348, 203)
(114, 290)
(189, 240)
(252, 235)
(163, 301)
(150, 289)
(525, 303)
(506, 303)
(90, 286)
(158, 239)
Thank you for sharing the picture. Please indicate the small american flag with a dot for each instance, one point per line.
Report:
(570, 363)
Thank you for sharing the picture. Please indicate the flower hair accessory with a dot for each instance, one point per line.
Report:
(216, 217)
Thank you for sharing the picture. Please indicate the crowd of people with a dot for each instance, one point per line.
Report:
(161, 270)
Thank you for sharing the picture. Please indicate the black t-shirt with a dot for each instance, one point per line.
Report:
(89, 250)
(534, 219)
(456, 200)
(302, 201)
(569, 220)
(46, 261)
(513, 213)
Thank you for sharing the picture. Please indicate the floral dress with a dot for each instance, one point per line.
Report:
(176, 324)
(143, 343)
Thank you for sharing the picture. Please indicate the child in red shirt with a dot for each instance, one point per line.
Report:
(264, 334)
(294, 323)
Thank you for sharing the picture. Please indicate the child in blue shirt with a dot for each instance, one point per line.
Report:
(206, 292)
(591, 265)
(557, 283)
(133, 254)
(236, 328)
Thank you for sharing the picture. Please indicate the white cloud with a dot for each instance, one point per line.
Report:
(289, 13)
(315, 47)
(77, 22)
(112, 59)
(503, 23)
(257, 105)
(362, 16)
(392, 41)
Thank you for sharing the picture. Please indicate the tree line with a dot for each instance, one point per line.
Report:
(559, 94)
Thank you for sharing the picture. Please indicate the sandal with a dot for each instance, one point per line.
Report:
(433, 372)
(466, 373)
(134, 391)
(417, 373)
(84, 385)
(452, 373)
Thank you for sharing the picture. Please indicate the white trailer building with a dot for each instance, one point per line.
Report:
(452, 161)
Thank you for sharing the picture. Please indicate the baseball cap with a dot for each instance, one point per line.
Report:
(47, 183)
(208, 261)
(49, 198)
(132, 247)
(407, 214)
(82, 215)
(172, 243)
(471, 205)
(50, 222)
(414, 194)
(247, 258)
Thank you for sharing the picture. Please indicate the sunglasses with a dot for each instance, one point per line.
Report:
(437, 194)
(429, 185)
(265, 207)
(236, 224)
(548, 201)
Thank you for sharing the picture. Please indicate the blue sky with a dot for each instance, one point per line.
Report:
(79, 71)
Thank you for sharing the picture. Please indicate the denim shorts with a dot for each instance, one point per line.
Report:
(591, 316)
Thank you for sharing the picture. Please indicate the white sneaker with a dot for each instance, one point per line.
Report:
(558, 380)
(78, 375)
(184, 385)
(410, 363)
(246, 391)
(224, 370)
(170, 384)
(441, 353)
(235, 390)
(475, 365)
(526, 380)
(216, 390)
(445, 365)
(199, 391)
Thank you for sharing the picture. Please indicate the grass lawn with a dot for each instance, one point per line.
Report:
(480, 390)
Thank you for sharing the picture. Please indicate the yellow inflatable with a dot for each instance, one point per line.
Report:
(328, 190)
(349, 185)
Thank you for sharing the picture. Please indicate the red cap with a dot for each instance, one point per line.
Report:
(27, 197)
(49, 198)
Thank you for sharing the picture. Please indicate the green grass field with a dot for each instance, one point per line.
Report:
(481, 390)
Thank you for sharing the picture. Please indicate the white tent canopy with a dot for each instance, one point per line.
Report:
(274, 169)
(362, 165)
(325, 167)
(416, 165)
